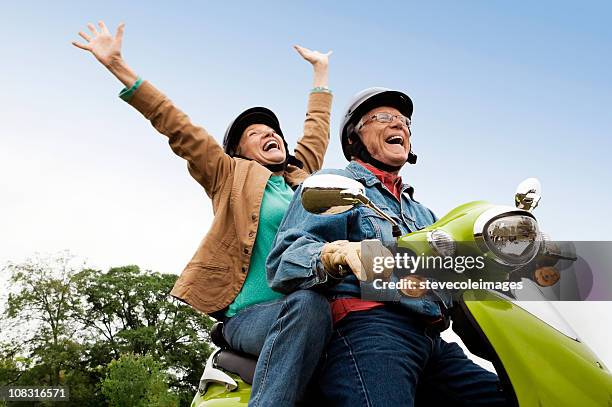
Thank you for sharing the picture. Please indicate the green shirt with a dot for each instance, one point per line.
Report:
(274, 204)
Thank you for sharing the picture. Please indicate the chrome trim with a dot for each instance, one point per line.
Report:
(330, 194)
(493, 212)
(528, 194)
(430, 240)
(485, 218)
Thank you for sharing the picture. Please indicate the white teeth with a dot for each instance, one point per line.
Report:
(394, 139)
(270, 145)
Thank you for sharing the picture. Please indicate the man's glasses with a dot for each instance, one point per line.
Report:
(384, 118)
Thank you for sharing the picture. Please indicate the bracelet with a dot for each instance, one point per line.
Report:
(126, 93)
(321, 89)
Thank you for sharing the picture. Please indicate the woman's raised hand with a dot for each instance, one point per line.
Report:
(316, 58)
(101, 43)
(320, 63)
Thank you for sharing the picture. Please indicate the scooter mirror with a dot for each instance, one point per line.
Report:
(331, 194)
(528, 194)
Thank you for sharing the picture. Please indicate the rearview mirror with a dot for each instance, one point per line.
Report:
(528, 194)
(331, 194)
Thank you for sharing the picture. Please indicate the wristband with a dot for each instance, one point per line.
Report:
(320, 89)
(126, 93)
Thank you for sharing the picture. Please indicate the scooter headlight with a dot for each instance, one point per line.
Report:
(512, 238)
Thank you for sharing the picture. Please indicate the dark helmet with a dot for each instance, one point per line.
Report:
(254, 115)
(257, 115)
(362, 103)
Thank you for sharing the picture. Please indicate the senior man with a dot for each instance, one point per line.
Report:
(380, 352)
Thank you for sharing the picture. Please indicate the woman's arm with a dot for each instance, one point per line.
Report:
(208, 164)
(312, 145)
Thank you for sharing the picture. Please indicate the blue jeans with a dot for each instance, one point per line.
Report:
(289, 336)
(379, 357)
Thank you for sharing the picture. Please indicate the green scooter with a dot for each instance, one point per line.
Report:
(538, 357)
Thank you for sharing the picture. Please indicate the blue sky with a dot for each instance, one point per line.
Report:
(502, 91)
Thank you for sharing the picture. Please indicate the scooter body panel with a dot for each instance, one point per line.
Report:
(218, 396)
(545, 367)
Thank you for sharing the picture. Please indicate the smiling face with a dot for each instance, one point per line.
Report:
(261, 143)
(387, 142)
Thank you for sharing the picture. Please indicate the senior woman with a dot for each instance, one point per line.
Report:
(251, 180)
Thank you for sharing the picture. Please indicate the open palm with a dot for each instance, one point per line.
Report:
(102, 44)
(314, 57)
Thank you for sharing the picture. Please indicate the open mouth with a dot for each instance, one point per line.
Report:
(395, 139)
(271, 144)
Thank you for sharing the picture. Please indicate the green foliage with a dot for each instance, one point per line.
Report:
(9, 366)
(137, 381)
(43, 293)
(67, 324)
(132, 311)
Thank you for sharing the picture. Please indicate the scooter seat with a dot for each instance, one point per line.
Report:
(237, 363)
(230, 360)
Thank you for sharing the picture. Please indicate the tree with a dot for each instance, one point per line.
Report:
(137, 381)
(68, 323)
(131, 310)
(11, 365)
(45, 344)
(41, 307)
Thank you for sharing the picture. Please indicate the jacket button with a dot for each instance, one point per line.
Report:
(246, 250)
(254, 217)
(251, 234)
(244, 269)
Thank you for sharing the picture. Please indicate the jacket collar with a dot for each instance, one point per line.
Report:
(363, 175)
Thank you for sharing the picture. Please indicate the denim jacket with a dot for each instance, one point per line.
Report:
(294, 261)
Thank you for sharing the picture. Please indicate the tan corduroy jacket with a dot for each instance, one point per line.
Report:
(214, 276)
